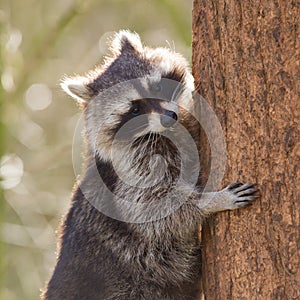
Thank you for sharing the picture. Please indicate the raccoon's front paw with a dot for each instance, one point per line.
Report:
(239, 195)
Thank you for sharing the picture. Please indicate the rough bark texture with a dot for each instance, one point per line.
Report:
(246, 63)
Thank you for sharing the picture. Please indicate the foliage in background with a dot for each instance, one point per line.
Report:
(2, 146)
(40, 42)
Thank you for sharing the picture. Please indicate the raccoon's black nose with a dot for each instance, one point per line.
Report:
(168, 119)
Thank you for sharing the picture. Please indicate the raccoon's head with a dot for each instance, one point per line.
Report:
(137, 92)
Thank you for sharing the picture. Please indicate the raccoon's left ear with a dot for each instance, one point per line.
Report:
(125, 41)
(77, 87)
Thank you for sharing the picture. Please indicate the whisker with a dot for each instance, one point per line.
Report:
(144, 126)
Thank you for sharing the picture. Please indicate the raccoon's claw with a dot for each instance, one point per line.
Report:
(240, 195)
(234, 185)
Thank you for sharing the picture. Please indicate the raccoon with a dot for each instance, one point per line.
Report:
(132, 229)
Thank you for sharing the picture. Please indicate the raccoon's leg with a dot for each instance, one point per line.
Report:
(235, 195)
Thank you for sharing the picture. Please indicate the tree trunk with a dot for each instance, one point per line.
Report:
(246, 64)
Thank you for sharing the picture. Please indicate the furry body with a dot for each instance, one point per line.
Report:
(101, 257)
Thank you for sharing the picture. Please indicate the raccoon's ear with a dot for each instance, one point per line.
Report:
(77, 87)
(126, 41)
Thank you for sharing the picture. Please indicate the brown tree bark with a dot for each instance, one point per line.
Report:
(246, 64)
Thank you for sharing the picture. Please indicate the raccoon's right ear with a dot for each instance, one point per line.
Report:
(77, 87)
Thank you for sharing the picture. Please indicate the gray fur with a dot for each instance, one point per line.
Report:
(104, 258)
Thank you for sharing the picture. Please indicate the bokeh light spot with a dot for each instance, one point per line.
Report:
(7, 80)
(14, 41)
(11, 171)
(38, 96)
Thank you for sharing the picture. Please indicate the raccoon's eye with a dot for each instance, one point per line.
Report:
(135, 110)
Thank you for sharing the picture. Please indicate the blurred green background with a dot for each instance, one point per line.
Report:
(41, 41)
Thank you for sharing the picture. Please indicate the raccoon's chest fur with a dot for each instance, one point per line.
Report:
(154, 260)
(145, 172)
